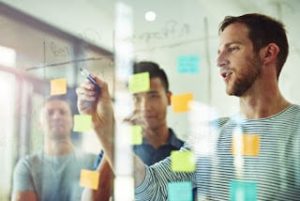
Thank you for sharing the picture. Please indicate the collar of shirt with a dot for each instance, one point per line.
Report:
(172, 140)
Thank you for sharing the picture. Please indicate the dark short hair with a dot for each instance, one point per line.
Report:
(262, 31)
(154, 71)
(63, 98)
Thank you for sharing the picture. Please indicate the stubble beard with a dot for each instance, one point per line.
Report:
(246, 79)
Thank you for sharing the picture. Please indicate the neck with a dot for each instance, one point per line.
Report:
(263, 101)
(157, 137)
(58, 147)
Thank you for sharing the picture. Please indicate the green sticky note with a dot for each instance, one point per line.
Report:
(136, 134)
(82, 123)
(183, 161)
(242, 190)
(180, 191)
(139, 82)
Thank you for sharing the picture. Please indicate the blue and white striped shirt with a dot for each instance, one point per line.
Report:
(275, 171)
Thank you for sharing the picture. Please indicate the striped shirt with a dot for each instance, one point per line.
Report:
(273, 172)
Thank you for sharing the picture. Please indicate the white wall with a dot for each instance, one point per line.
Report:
(80, 16)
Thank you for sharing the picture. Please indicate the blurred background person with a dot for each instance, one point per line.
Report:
(54, 173)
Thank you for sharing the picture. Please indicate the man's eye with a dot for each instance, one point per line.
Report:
(62, 112)
(153, 95)
(50, 113)
(231, 49)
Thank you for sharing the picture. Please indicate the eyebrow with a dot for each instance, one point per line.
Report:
(231, 43)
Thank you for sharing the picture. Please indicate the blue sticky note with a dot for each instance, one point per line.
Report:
(180, 191)
(243, 190)
(188, 64)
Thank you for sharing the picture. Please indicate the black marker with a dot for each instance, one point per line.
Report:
(89, 76)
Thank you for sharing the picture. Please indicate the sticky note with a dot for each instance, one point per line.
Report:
(180, 191)
(183, 161)
(58, 86)
(246, 145)
(89, 179)
(139, 82)
(180, 102)
(136, 135)
(243, 190)
(188, 64)
(82, 123)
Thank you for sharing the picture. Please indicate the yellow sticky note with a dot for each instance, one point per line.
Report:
(82, 123)
(58, 86)
(180, 102)
(246, 145)
(139, 82)
(136, 135)
(183, 161)
(89, 179)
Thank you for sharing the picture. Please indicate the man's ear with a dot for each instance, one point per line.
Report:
(270, 53)
(169, 95)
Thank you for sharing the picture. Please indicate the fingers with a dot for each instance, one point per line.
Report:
(89, 97)
(86, 97)
(103, 86)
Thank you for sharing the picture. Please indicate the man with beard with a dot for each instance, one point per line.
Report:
(257, 151)
(52, 174)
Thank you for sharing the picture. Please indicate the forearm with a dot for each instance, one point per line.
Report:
(24, 196)
(105, 134)
(139, 171)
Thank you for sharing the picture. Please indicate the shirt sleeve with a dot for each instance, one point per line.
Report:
(155, 184)
(22, 179)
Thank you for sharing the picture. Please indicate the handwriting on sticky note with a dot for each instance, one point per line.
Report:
(188, 64)
(82, 123)
(242, 190)
(139, 82)
(58, 86)
(183, 161)
(180, 191)
(180, 103)
(246, 145)
(136, 134)
(89, 179)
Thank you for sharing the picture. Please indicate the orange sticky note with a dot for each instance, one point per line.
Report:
(89, 179)
(136, 135)
(246, 145)
(183, 161)
(180, 102)
(58, 86)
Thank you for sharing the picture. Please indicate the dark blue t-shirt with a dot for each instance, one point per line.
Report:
(151, 155)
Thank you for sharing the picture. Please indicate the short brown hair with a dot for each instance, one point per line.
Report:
(262, 31)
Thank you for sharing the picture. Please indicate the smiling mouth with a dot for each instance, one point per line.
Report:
(226, 74)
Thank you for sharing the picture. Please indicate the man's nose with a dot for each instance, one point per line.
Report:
(145, 103)
(222, 60)
(56, 115)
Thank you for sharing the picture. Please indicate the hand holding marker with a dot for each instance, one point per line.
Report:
(89, 76)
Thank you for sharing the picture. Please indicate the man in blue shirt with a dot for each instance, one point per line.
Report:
(151, 113)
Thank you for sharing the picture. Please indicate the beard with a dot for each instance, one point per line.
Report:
(247, 77)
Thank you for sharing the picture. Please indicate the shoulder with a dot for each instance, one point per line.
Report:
(30, 160)
(174, 139)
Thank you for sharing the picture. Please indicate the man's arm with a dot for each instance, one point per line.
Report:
(24, 196)
(22, 186)
(99, 106)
